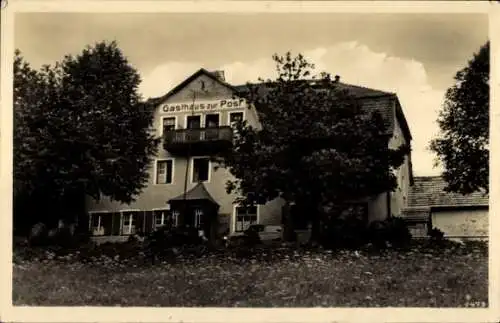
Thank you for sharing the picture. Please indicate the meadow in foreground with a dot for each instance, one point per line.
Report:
(267, 278)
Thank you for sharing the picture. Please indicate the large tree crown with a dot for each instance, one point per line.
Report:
(462, 146)
(316, 141)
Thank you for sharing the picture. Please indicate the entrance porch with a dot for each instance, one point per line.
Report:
(196, 209)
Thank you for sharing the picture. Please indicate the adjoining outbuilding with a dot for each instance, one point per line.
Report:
(460, 217)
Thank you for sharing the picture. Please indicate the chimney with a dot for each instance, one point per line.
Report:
(337, 78)
(220, 75)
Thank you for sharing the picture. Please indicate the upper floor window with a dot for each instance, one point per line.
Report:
(212, 120)
(168, 124)
(235, 117)
(193, 122)
(201, 169)
(164, 171)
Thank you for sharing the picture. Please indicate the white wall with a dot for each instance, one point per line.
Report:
(461, 223)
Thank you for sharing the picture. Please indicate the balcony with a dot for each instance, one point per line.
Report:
(198, 141)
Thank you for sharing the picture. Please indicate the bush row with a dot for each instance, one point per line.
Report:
(353, 233)
(167, 243)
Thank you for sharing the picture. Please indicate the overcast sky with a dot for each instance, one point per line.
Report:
(415, 56)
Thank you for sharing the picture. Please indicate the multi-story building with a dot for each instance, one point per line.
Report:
(184, 178)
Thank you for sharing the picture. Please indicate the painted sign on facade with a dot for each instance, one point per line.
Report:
(203, 106)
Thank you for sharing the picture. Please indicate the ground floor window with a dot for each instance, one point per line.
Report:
(135, 222)
(245, 216)
(175, 217)
(129, 220)
(198, 216)
(96, 224)
(164, 217)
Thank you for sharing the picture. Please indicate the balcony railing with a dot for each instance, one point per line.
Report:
(198, 139)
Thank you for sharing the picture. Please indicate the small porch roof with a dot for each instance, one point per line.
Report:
(197, 193)
(416, 214)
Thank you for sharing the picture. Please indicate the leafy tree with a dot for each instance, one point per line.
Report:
(462, 146)
(315, 145)
(80, 129)
(34, 95)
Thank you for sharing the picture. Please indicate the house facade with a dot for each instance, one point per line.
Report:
(460, 217)
(185, 186)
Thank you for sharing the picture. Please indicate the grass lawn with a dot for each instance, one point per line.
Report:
(406, 279)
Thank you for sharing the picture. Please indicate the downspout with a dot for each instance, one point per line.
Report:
(388, 197)
(186, 175)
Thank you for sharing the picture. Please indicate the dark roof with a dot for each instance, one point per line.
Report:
(416, 214)
(429, 191)
(366, 95)
(197, 193)
(356, 91)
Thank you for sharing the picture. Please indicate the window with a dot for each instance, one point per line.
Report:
(212, 120)
(175, 218)
(168, 124)
(164, 170)
(193, 122)
(211, 123)
(97, 226)
(161, 218)
(201, 169)
(198, 215)
(128, 224)
(245, 216)
(235, 117)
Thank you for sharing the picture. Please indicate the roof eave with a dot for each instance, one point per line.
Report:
(459, 206)
(181, 85)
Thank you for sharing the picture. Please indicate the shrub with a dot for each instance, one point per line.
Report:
(348, 233)
(65, 237)
(252, 235)
(62, 237)
(38, 235)
(436, 235)
(132, 239)
(392, 230)
(476, 246)
(165, 241)
(82, 237)
(249, 239)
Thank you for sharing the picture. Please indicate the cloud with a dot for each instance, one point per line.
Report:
(356, 64)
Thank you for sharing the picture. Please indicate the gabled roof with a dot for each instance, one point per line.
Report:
(197, 193)
(429, 191)
(180, 86)
(364, 94)
(356, 91)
